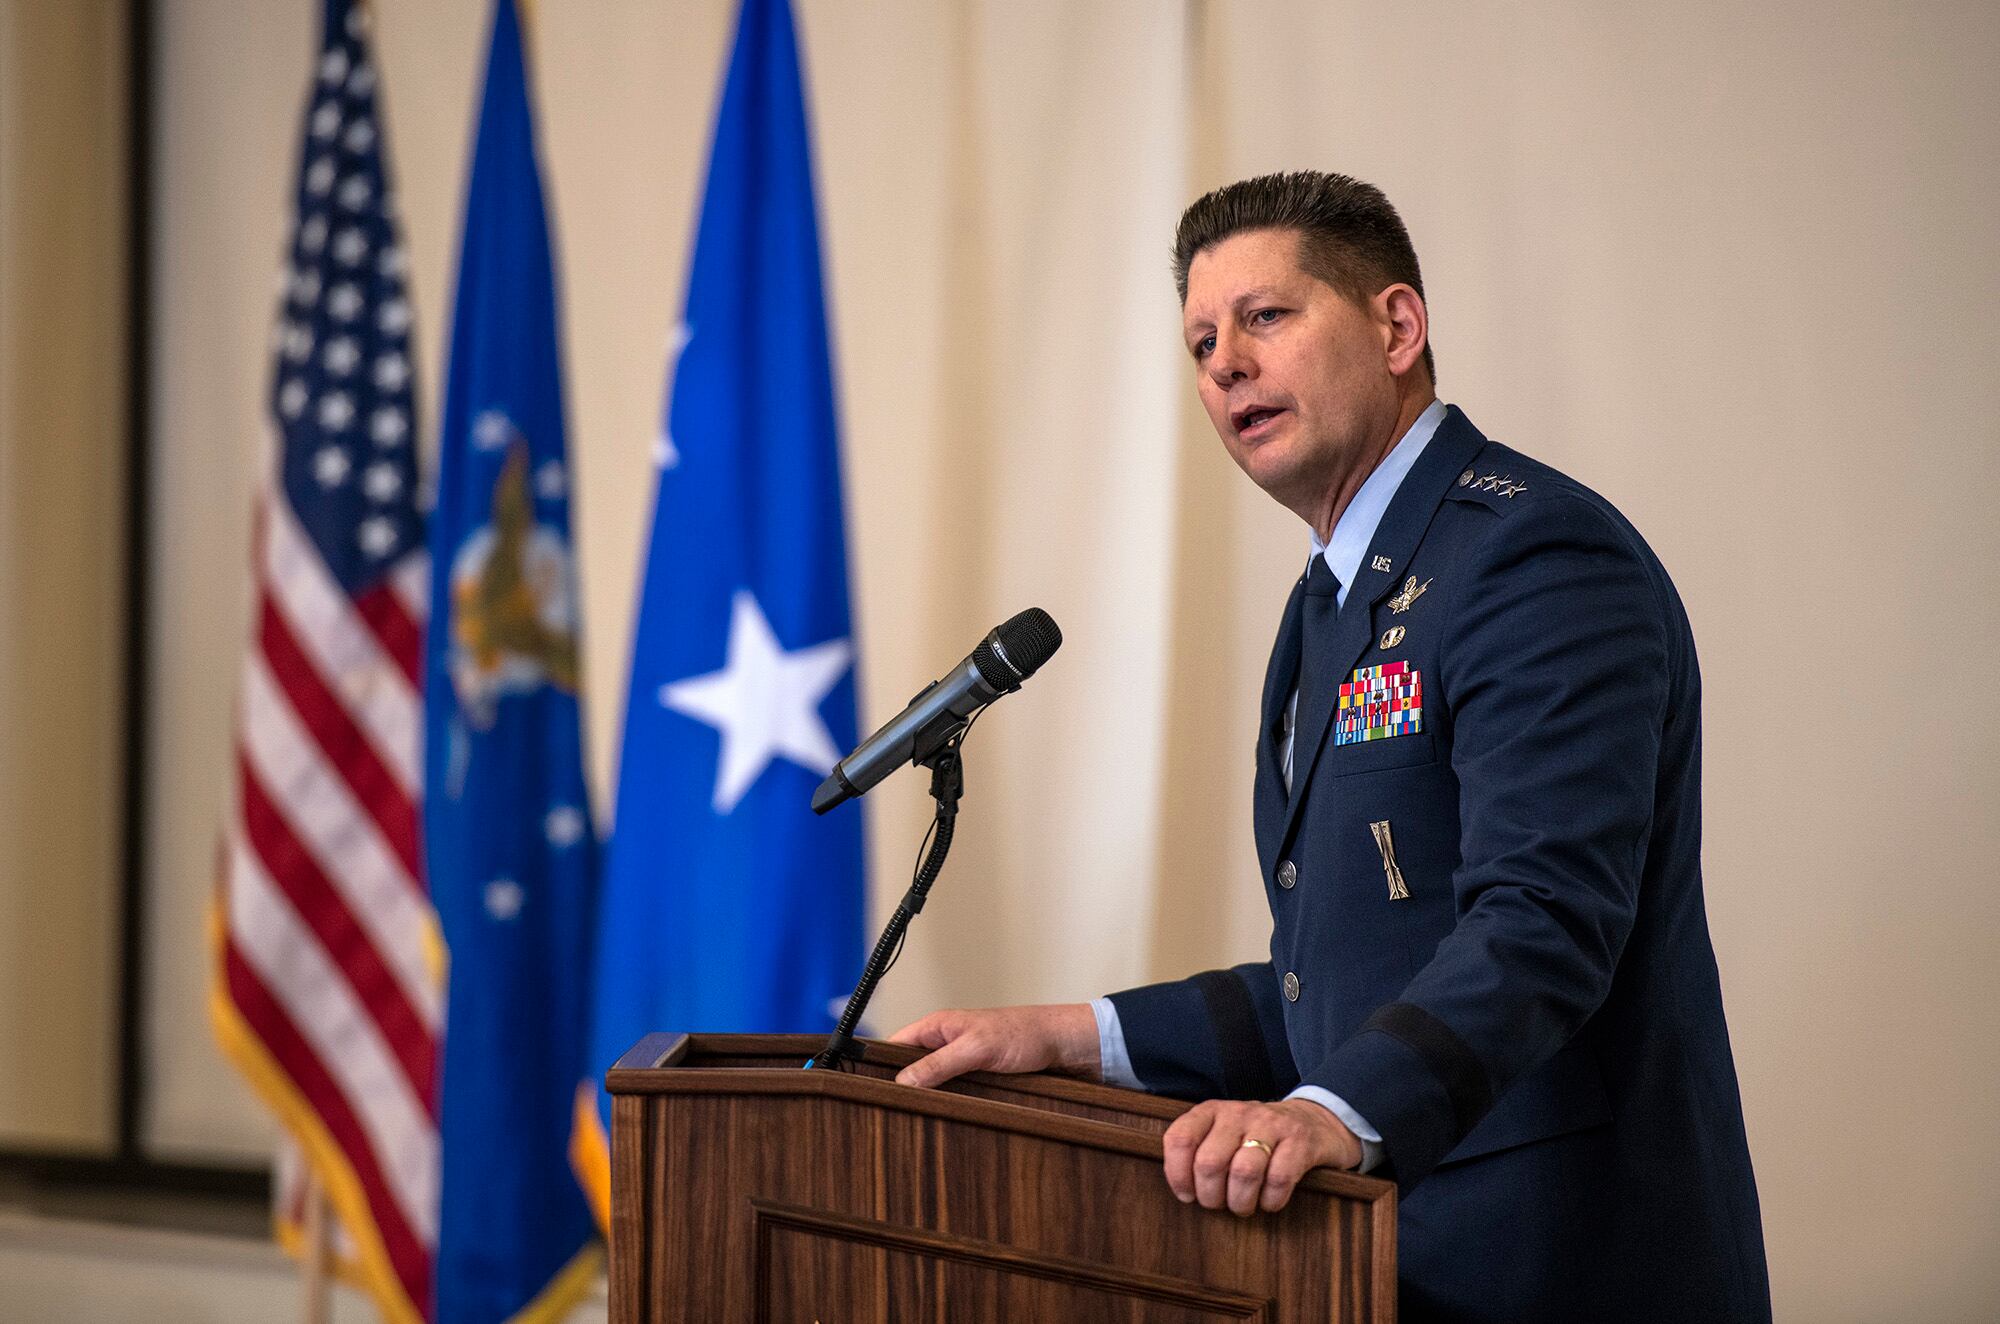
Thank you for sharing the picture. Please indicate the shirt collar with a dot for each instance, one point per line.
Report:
(1356, 529)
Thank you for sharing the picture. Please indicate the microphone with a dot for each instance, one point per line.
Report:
(1007, 656)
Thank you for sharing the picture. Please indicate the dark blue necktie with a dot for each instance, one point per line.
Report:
(1318, 609)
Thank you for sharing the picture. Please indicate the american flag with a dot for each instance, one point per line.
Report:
(328, 980)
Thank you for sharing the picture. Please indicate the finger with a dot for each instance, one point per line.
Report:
(954, 1057)
(1282, 1174)
(1213, 1160)
(1178, 1148)
(1246, 1178)
(926, 1031)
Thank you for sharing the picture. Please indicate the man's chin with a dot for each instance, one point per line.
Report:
(1272, 469)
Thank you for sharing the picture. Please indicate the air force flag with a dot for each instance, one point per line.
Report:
(728, 905)
(511, 854)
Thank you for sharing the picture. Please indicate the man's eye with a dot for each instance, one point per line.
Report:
(1203, 346)
(1265, 316)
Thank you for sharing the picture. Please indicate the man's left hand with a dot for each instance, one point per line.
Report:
(1207, 1161)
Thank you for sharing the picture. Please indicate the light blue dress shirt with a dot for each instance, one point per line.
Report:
(1343, 553)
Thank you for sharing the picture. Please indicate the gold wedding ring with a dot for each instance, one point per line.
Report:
(1258, 1144)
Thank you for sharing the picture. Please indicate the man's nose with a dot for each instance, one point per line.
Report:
(1230, 360)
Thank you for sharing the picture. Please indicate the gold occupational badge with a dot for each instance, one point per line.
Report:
(1412, 590)
(1392, 636)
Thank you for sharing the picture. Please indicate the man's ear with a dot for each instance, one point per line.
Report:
(1406, 327)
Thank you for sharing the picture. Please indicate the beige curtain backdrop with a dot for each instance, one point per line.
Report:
(1733, 265)
(62, 566)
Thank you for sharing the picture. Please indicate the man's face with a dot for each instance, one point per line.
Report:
(1294, 377)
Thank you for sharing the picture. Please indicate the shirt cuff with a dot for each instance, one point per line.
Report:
(1370, 1138)
(1115, 1060)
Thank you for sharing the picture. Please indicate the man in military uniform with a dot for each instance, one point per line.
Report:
(1478, 822)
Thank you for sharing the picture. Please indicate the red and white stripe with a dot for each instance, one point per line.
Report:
(329, 939)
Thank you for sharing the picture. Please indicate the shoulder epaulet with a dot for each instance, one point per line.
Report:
(1490, 485)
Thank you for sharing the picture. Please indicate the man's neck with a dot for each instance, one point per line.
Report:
(1328, 515)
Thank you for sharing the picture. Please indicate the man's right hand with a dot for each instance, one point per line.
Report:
(1053, 1037)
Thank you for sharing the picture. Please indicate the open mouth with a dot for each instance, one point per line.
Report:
(1254, 421)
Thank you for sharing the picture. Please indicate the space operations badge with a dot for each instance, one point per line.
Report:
(1379, 702)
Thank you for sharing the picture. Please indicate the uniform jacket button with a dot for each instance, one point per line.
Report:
(1291, 987)
(1288, 875)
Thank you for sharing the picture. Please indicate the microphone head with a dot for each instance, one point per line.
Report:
(1017, 648)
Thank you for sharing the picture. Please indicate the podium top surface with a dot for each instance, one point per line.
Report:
(1055, 1107)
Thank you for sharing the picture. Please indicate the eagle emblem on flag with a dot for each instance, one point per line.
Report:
(514, 603)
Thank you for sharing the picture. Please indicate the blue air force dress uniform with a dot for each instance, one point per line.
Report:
(1488, 937)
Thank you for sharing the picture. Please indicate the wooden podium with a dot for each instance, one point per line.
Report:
(746, 1189)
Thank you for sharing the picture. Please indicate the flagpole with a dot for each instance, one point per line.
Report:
(315, 1275)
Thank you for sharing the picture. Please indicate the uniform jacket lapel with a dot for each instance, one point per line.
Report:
(1395, 542)
(1279, 679)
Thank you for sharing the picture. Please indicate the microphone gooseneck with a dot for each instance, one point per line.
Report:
(929, 733)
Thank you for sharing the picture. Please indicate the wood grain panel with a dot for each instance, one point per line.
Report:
(745, 1189)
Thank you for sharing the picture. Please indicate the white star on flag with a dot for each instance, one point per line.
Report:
(765, 702)
(504, 898)
(549, 480)
(563, 825)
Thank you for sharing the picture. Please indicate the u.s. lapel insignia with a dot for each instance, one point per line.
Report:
(1398, 890)
(1380, 563)
(1392, 636)
(1412, 590)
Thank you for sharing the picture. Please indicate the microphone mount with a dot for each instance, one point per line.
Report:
(947, 786)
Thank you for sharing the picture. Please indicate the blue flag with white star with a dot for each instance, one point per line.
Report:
(508, 840)
(728, 906)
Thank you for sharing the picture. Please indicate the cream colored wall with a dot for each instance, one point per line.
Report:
(1732, 265)
(62, 566)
